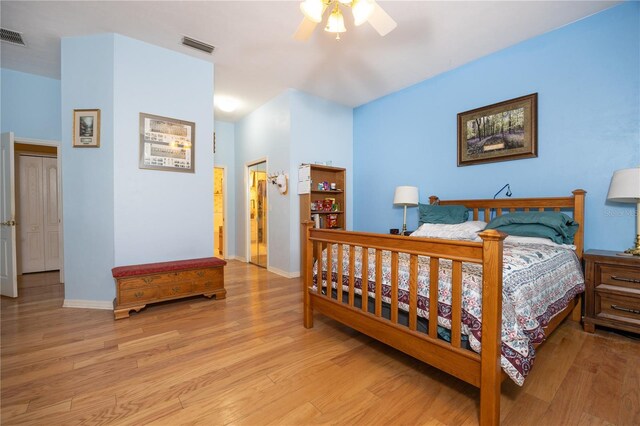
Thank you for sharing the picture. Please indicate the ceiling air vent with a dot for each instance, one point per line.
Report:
(197, 44)
(12, 37)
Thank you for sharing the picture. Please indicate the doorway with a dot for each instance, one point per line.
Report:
(38, 237)
(10, 264)
(219, 234)
(258, 213)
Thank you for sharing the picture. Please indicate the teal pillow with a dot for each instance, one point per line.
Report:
(450, 214)
(556, 226)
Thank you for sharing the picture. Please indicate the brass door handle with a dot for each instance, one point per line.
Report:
(9, 223)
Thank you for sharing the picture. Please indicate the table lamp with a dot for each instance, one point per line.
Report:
(406, 196)
(625, 188)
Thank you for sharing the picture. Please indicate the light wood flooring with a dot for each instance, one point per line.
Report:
(248, 360)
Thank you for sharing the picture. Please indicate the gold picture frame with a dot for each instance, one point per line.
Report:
(500, 132)
(86, 128)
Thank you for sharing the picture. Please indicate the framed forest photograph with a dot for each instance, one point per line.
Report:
(500, 132)
(86, 128)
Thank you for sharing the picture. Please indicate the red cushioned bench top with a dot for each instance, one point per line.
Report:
(156, 268)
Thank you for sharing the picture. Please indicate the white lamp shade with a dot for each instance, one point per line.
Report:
(406, 196)
(625, 186)
(335, 23)
(362, 10)
(312, 10)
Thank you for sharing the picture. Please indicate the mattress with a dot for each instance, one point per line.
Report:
(539, 281)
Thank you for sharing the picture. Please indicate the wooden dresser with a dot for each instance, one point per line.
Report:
(612, 297)
(138, 285)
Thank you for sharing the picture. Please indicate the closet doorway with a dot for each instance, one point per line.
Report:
(37, 210)
(219, 237)
(258, 213)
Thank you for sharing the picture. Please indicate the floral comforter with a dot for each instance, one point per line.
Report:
(538, 282)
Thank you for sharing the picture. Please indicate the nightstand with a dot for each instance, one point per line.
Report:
(612, 296)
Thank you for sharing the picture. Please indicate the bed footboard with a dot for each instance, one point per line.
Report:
(483, 370)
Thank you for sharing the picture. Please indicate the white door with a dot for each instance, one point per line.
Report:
(8, 278)
(38, 214)
(30, 216)
(51, 218)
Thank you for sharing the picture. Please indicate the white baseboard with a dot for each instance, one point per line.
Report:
(238, 258)
(87, 304)
(282, 273)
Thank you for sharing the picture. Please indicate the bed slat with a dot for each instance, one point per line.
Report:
(329, 269)
(394, 287)
(378, 283)
(364, 282)
(318, 248)
(475, 214)
(413, 292)
(456, 302)
(434, 273)
(352, 269)
(487, 215)
(340, 274)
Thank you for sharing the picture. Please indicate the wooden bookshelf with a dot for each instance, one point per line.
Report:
(318, 175)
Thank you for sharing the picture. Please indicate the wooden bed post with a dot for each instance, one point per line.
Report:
(491, 373)
(307, 278)
(578, 216)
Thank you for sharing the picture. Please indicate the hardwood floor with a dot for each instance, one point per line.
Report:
(248, 360)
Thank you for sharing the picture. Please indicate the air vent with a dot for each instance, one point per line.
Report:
(197, 44)
(12, 37)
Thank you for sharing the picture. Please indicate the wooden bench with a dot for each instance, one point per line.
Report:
(138, 285)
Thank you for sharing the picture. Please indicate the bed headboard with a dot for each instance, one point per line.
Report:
(573, 203)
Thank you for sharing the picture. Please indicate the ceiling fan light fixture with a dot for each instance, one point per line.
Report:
(362, 10)
(335, 23)
(312, 10)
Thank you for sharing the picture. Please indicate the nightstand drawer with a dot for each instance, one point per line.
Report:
(621, 308)
(620, 276)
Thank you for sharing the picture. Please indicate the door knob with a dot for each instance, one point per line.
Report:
(9, 223)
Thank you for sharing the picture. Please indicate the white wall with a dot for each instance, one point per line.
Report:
(265, 133)
(225, 157)
(87, 173)
(161, 215)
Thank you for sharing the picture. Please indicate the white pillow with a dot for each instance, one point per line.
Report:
(515, 239)
(460, 231)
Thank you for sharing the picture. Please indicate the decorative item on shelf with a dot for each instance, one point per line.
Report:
(320, 186)
(406, 196)
(333, 186)
(327, 204)
(332, 221)
(86, 128)
(325, 186)
(625, 188)
(281, 180)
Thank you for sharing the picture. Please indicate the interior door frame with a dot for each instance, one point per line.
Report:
(247, 215)
(57, 144)
(225, 248)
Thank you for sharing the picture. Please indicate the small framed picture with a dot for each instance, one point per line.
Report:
(86, 128)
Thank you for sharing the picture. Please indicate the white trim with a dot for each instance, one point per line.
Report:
(282, 273)
(238, 258)
(88, 304)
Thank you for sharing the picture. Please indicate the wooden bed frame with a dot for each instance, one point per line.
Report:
(481, 370)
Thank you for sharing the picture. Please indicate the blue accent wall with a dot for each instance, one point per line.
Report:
(587, 76)
(30, 105)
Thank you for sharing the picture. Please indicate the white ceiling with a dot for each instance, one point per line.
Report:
(256, 58)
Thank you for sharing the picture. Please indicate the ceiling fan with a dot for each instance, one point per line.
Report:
(363, 11)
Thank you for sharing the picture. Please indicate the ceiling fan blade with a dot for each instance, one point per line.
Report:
(381, 21)
(305, 29)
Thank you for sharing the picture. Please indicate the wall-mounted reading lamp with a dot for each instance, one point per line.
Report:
(508, 194)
